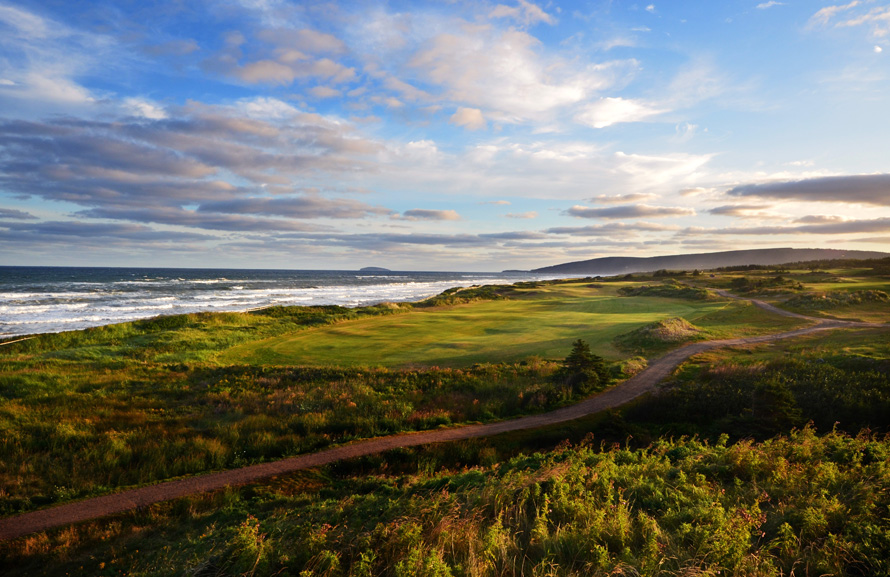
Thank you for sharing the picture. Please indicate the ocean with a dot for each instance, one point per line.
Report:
(54, 299)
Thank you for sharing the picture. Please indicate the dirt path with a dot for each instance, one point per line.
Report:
(643, 382)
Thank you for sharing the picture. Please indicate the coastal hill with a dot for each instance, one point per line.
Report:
(615, 265)
(374, 269)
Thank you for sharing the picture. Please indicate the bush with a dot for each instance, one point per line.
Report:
(583, 371)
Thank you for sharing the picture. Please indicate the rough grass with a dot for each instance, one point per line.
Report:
(800, 504)
(659, 335)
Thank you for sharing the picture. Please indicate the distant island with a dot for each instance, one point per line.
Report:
(615, 265)
(374, 269)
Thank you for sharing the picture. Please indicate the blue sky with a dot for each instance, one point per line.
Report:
(443, 135)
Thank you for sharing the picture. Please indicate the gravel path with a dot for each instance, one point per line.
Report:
(641, 383)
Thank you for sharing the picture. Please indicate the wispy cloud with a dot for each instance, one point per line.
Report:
(861, 188)
(426, 214)
(609, 111)
(629, 211)
(524, 11)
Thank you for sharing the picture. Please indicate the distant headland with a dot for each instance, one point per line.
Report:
(609, 266)
(374, 269)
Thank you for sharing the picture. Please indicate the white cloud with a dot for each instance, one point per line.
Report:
(878, 49)
(266, 108)
(522, 215)
(770, 4)
(525, 11)
(650, 8)
(609, 111)
(504, 73)
(28, 24)
(824, 15)
(42, 59)
(469, 118)
(144, 108)
(685, 131)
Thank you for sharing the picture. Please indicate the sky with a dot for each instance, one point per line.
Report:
(446, 135)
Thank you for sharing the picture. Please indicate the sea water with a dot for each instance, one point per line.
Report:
(55, 299)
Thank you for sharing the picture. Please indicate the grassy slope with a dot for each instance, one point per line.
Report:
(831, 281)
(541, 322)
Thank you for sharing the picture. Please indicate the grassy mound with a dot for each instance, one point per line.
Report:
(838, 299)
(668, 289)
(659, 335)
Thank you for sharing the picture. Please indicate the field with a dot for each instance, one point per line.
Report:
(540, 321)
(757, 491)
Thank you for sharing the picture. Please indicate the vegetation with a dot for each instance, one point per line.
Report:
(835, 300)
(801, 504)
(657, 336)
(670, 289)
(535, 321)
(755, 460)
(582, 371)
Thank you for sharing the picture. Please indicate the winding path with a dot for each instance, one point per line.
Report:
(641, 383)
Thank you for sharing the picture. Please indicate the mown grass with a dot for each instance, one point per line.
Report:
(539, 321)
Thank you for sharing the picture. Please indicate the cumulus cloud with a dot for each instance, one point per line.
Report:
(469, 118)
(424, 214)
(629, 211)
(862, 188)
(283, 57)
(609, 111)
(522, 215)
(504, 73)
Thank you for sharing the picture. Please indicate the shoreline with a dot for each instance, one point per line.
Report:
(105, 307)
